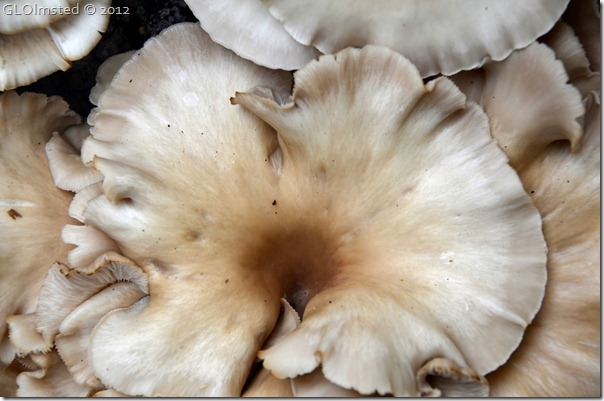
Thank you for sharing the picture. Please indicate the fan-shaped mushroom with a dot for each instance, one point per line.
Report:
(358, 209)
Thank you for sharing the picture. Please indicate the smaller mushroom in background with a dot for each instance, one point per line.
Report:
(33, 48)
(287, 34)
(70, 304)
(540, 122)
(519, 95)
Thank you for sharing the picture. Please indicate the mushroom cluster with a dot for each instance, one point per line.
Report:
(379, 222)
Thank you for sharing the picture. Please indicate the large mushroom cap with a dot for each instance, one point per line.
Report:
(438, 35)
(358, 209)
(32, 210)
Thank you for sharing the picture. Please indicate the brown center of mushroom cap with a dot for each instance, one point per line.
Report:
(389, 218)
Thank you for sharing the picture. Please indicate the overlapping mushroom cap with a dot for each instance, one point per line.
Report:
(435, 35)
(33, 210)
(380, 207)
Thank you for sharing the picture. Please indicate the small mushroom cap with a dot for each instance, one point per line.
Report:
(29, 201)
(435, 35)
(29, 55)
(247, 28)
(560, 355)
(66, 167)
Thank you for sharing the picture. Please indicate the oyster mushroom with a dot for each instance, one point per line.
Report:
(36, 47)
(357, 208)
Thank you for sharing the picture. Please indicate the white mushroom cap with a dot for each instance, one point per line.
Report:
(29, 55)
(247, 28)
(421, 269)
(359, 209)
(437, 35)
(32, 210)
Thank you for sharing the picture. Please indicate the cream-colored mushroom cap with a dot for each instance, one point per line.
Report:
(185, 101)
(379, 207)
(32, 210)
(31, 54)
(247, 28)
(439, 36)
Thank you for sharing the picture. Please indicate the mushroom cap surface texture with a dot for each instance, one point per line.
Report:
(32, 210)
(439, 36)
(378, 206)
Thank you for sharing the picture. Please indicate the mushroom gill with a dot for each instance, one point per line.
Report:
(379, 207)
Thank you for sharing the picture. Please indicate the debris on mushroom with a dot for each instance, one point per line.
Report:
(247, 28)
(35, 45)
(436, 35)
(32, 210)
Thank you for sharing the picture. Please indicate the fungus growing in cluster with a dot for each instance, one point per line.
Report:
(39, 38)
(32, 210)
(379, 207)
